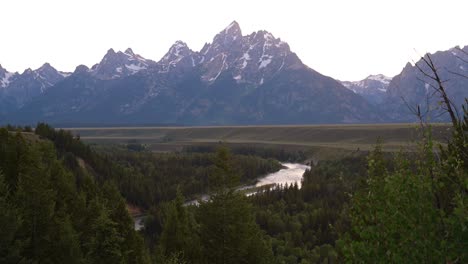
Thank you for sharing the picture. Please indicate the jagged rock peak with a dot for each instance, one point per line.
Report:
(408, 66)
(177, 51)
(49, 73)
(233, 28)
(81, 68)
(179, 46)
(129, 51)
(110, 51)
(46, 67)
(230, 34)
(5, 77)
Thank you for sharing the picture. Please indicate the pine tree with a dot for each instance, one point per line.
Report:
(228, 230)
(104, 246)
(10, 222)
(65, 245)
(132, 247)
(417, 213)
(179, 236)
(36, 202)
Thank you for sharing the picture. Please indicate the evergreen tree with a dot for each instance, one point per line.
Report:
(65, 245)
(46, 219)
(10, 222)
(104, 246)
(417, 213)
(36, 202)
(179, 237)
(228, 230)
(133, 247)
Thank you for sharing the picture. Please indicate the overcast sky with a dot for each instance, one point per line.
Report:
(345, 39)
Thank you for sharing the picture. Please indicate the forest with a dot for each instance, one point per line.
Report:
(65, 201)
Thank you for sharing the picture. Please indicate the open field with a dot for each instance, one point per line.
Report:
(345, 137)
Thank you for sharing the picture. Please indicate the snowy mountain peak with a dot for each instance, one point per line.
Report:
(5, 77)
(3, 71)
(178, 48)
(233, 28)
(129, 51)
(49, 75)
(119, 64)
(230, 35)
(178, 51)
(372, 88)
(380, 78)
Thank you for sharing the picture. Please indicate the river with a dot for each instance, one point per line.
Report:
(290, 174)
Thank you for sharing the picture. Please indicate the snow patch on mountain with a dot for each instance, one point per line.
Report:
(5, 81)
(233, 24)
(427, 86)
(120, 64)
(380, 78)
(64, 74)
(373, 88)
(135, 68)
(175, 52)
(264, 62)
(245, 58)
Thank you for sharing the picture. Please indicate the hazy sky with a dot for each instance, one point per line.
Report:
(345, 39)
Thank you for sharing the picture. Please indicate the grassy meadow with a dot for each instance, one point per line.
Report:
(326, 139)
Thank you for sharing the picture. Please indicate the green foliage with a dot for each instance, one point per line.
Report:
(260, 151)
(305, 223)
(229, 233)
(228, 230)
(179, 239)
(52, 213)
(417, 213)
(135, 147)
(61, 202)
(10, 221)
(394, 219)
(104, 247)
(148, 179)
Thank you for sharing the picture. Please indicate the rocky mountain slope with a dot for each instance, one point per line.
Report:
(412, 88)
(17, 90)
(373, 88)
(235, 79)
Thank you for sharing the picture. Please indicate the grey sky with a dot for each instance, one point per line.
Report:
(345, 39)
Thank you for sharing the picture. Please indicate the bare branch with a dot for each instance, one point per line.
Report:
(441, 89)
(460, 58)
(458, 74)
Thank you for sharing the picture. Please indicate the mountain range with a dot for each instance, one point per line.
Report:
(234, 80)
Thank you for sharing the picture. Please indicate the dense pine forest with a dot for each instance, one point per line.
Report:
(54, 212)
(64, 201)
